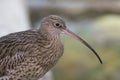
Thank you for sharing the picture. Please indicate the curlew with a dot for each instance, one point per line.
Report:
(28, 55)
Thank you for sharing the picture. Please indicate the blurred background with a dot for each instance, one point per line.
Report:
(96, 21)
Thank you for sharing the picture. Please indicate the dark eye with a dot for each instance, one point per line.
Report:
(58, 25)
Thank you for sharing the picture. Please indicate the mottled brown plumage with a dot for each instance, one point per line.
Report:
(28, 55)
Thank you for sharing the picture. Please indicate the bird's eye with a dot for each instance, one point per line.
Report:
(58, 25)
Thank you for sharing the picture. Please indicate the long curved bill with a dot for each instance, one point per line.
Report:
(68, 32)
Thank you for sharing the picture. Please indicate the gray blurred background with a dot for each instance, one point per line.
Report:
(96, 21)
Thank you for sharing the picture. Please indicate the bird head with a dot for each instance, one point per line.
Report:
(55, 25)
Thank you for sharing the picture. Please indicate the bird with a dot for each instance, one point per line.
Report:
(28, 55)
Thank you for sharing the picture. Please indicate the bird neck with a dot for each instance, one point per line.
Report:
(49, 36)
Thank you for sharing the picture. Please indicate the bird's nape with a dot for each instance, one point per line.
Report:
(73, 35)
